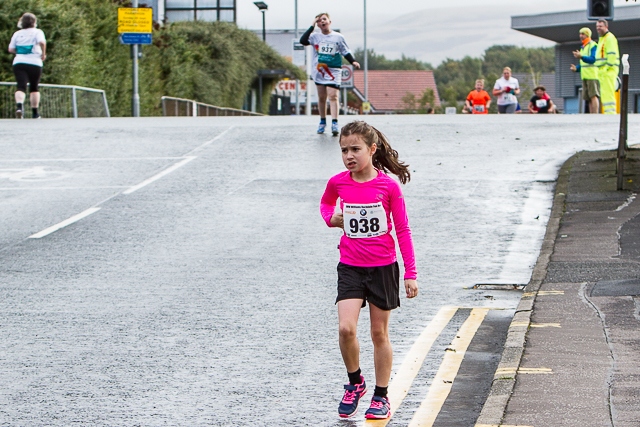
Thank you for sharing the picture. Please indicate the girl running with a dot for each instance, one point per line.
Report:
(368, 269)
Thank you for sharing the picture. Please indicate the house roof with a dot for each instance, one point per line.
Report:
(388, 87)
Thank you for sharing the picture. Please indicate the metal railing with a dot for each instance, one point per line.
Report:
(188, 108)
(57, 101)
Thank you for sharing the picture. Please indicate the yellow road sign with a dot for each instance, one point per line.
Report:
(135, 20)
(366, 107)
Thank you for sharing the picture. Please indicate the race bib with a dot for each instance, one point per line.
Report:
(364, 220)
(327, 49)
(479, 108)
(541, 103)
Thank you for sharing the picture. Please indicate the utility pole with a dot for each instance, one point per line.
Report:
(297, 81)
(366, 56)
(135, 102)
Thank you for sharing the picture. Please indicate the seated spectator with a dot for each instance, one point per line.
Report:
(541, 102)
(478, 100)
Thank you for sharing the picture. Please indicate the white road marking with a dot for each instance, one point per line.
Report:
(91, 159)
(62, 188)
(64, 223)
(159, 175)
(186, 159)
(195, 150)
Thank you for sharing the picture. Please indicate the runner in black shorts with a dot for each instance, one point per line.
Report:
(30, 47)
(368, 268)
(328, 49)
(378, 285)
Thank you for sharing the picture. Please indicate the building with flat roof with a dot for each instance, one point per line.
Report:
(563, 28)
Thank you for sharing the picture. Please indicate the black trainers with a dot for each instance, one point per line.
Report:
(19, 114)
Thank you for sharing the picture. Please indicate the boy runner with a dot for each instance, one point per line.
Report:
(328, 49)
(478, 100)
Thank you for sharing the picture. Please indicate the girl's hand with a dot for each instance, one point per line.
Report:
(411, 286)
(337, 220)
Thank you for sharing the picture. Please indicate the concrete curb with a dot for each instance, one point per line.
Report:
(504, 379)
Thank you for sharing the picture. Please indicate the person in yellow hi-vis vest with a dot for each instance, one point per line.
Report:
(608, 62)
(588, 70)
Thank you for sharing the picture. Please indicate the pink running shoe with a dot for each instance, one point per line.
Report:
(352, 394)
(380, 409)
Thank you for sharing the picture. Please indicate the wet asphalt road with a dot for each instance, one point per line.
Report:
(206, 296)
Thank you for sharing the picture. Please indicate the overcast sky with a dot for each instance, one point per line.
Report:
(428, 30)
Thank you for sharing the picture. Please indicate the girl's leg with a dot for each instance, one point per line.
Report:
(333, 95)
(348, 313)
(322, 101)
(382, 350)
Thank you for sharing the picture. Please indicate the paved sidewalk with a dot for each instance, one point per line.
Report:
(572, 356)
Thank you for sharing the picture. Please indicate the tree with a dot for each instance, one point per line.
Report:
(211, 62)
(380, 62)
(455, 78)
(422, 105)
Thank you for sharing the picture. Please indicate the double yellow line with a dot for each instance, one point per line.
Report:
(426, 414)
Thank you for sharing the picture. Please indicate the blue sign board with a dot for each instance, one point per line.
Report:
(135, 38)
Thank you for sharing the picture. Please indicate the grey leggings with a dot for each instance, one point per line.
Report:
(507, 108)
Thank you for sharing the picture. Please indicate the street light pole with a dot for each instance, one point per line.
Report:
(297, 81)
(262, 7)
(366, 56)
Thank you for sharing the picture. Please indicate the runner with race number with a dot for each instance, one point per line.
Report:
(328, 49)
(368, 269)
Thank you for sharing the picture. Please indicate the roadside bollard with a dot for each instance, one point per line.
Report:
(622, 141)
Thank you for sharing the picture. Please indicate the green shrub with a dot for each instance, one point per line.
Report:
(215, 63)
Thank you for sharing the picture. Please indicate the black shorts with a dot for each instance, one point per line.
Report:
(333, 85)
(27, 73)
(378, 285)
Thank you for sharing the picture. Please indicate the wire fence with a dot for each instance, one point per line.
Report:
(57, 101)
(188, 108)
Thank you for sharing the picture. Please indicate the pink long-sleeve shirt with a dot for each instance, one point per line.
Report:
(377, 250)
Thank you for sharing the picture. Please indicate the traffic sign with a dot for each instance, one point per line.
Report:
(347, 77)
(135, 38)
(298, 53)
(366, 107)
(135, 20)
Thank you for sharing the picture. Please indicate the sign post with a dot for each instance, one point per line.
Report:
(346, 83)
(135, 26)
(298, 59)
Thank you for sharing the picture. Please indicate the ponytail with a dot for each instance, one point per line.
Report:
(385, 158)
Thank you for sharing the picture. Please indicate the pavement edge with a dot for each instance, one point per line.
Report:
(504, 379)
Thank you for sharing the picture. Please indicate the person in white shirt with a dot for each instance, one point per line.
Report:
(30, 47)
(328, 49)
(506, 89)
